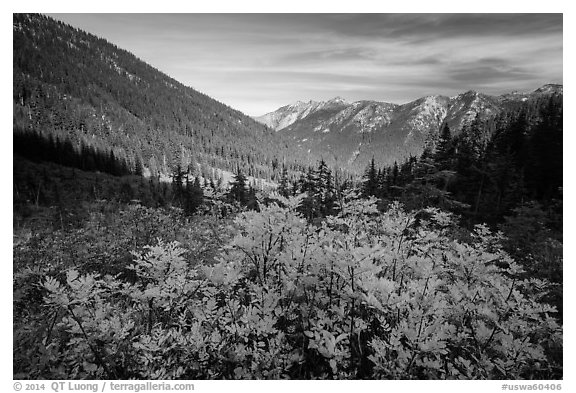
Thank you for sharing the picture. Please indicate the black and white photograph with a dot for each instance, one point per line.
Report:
(287, 196)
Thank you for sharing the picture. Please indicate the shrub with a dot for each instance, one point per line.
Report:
(363, 295)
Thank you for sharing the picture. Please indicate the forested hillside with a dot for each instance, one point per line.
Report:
(74, 86)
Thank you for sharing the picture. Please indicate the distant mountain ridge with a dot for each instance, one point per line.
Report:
(291, 113)
(349, 134)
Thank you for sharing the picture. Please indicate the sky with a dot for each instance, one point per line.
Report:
(257, 63)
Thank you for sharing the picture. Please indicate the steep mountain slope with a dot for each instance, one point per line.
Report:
(289, 114)
(71, 84)
(349, 135)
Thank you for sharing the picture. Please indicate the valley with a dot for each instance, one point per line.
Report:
(160, 234)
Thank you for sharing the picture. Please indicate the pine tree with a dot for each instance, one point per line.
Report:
(325, 194)
(295, 187)
(395, 173)
(284, 186)
(178, 184)
(194, 196)
(310, 204)
(310, 182)
(238, 190)
(444, 149)
(370, 185)
(251, 199)
(138, 166)
(384, 175)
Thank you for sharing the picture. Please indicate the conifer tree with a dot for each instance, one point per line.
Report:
(178, 184)
(138, 166)
(295, 187)
(370, 185)
(310, 182)
(325, 193)
(395, 173)
(444, 149)
(251, 199)
(283, 187)
(194, 196)
(238, 190)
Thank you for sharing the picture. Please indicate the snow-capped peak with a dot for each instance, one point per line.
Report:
(300, 104)
(550, 89)
(337, 100)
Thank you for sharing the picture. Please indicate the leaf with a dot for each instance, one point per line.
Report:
(90, 367)
(71, 275)
(332, 363)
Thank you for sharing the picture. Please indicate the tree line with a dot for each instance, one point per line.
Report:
(61, 150)
(481, 178)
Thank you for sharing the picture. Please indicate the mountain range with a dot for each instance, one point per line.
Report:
(349, 134)
(74, 86)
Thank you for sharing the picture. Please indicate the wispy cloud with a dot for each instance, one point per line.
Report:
(328, 55)
(258, 62)
(431, 27)
(487, 70)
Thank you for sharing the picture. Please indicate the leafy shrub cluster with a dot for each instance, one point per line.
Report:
(362, 295)
(102, 241)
